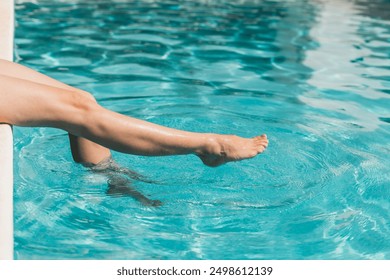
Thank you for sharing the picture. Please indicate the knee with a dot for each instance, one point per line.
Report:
(83, 105)
(88, 97)
(82, 100)
(78, 111)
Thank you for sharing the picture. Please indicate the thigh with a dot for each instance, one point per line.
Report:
(83, 150)
(27, 103)
(11, 69)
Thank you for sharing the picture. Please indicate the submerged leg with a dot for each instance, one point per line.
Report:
(26, 103)
(120, 186)
(110, 166)
(83, 150)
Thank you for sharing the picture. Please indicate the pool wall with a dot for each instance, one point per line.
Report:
(6, 141)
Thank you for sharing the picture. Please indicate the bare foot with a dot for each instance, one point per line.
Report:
(224, 148)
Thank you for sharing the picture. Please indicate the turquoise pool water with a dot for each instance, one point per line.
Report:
(313, 75)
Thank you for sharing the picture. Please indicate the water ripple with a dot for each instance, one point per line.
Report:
(313, 76)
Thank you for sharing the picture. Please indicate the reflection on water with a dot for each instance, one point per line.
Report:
(313, 75)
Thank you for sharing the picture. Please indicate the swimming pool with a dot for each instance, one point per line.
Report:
(313, 75)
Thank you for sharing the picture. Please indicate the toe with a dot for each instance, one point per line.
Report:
(260, 149)
(262, 138)
(261, 141)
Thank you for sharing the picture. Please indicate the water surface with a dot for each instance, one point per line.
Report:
(313, 75)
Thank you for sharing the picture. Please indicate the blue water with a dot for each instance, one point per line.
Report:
(314, 76)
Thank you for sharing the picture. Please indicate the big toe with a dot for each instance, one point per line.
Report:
(261, 140)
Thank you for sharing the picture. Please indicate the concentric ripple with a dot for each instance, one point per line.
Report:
(312, 75)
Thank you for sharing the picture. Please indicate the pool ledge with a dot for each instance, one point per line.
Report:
(6, 142)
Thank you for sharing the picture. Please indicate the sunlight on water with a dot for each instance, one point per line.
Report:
(313, 75)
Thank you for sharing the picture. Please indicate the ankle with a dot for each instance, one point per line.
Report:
(209, 145)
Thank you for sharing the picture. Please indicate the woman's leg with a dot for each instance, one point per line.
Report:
(83, 150)
(26, 103)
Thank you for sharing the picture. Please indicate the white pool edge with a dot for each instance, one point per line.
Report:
(6, 142)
